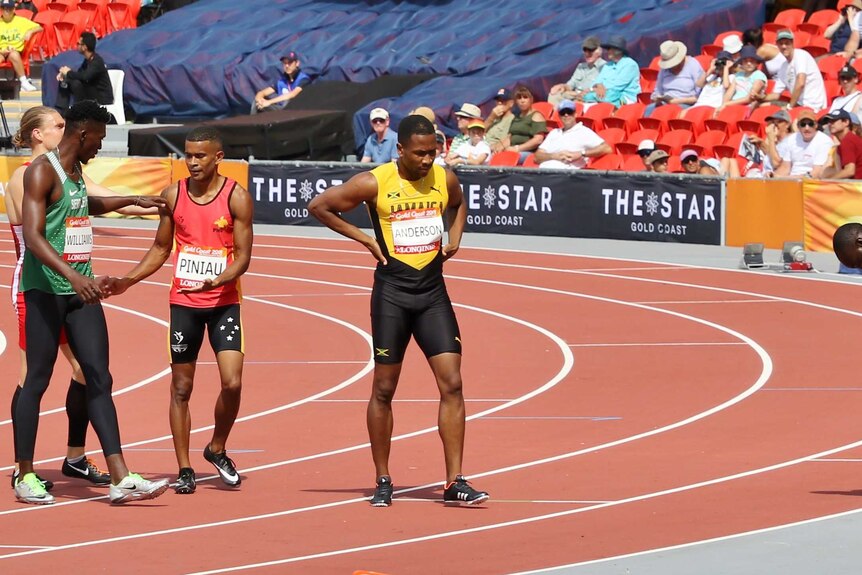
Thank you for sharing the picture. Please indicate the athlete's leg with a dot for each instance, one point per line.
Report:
(227, 406)
(182, 384)
(379, 418)
(76, 408)
(88, 339)
(451, 415)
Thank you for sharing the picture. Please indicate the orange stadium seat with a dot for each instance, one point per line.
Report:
(596, 114)
(760, 114)
(708, 140)
(119, 17)
(40, 4)
(531, 162)
(673, 141)
(704, 60)
(98, 11)
(546, 109)
(769, 36)
(505, 158)
(606, 162)
(727, 118)
(612, 136)
(693, 119)
(711, 50)
(818, 46)
(818, 22)
(659, 117)
(633, 164)
(24, 13)
(645, 98)
(794, 112)
(626, 117)
(788, 19)
(674, 165)
(730, 148)
(630, 146)
(654, 63)
(46, 45)
(59, 7)
(857, 64)
(831, 65)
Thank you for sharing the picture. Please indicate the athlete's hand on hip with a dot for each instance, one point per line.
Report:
(449, 250)
(87, 288)
(205, 285)
(375, 250)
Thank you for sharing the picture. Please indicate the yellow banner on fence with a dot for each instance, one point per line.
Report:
(826, 206)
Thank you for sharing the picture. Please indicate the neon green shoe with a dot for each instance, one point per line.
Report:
(30, 490)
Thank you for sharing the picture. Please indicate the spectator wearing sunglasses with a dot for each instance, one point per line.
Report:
(778, 127)
(380, 147)
(807, 152)
(618, 81)
(645, 148)
(851, 99)
(849, 156)
(657, 161)
(799, 74)
(584, 76)
(570, 146)
(690, 161)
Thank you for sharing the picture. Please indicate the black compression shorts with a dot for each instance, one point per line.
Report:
(427, 315)
(223, 325)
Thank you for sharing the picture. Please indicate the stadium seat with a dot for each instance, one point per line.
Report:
(505, 158)
(626, 117)
(727, 118)
(546, 109)
(654, 63)
(24, 13)
(674, 140)
(25, 53)
(596, 114)
(704, 60)
(134, 9)
(795, 111)
(46, 46)
(711, 50)
(857, 64)
(634, 139)
(40, 5)
(645, 98)
(531, 162)
(786, 19)
(728, 149)
(633, 164)
(674, 165)
(69, 28)
(659, 117)
(693, 120)
(98, 16)
(818, 46)
(119, 17)
(649, 74)
(833, 89)
(606, 162)
(708, 140)
(830, 65)
(58, 8)
(612, 136)
(818, 22)
(761, 113)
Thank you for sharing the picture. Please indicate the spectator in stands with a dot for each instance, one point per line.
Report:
(849, 156)
(499, 121)
(15, 31)
(618, 81)
(748, 80)
(714, 82)
(711, 167)
(778, 127)
(475, 152)
(838, 33)
(289, 84)
(464, 116)
(732, 44)
(690, 161)
(528, 128)
(772, 58)
(569, 147)
(90, 81)
(440, 159)
(657, 161)
(848, 77)
(854, 17)
(799, 74)
(380, 147)
(645, 148)
(584, 76)
(677, 77)
(807, 152)
(426, 113)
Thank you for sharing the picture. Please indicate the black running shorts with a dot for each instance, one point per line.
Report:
(223, 325)
(427, 315)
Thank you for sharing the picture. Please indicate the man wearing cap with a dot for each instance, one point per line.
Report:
(569, 147)
(464, 116)
(475, 151)
(799, 74)
(382, 145)
(848, 78)
(807, 152)
(618, 81)
(584, 76)
(289, 84)
(849, 156)
(677, 77)
(499, 120)
(15, 31)
(690, 161)
(657, 161)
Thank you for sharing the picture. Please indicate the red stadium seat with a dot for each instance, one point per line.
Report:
(708, 140)
(674, 165)
(505, 158)
(630, 146)
(24, 13)
(786, 19)
(546, 109)
(659, 117)
(704, 60)
(606, 162)
(98, 12)
(727, 118)
(711, 50)
(597, 113)
(730, 148)
(633, 164)
(693, 119)
(818, 22)
(720, 37)
(654, 63)
(119, 17)
(626, 117)
(831, 65)
(612, 136)
(818, 46)
(530, 162)
(46, 45)
(673, 141)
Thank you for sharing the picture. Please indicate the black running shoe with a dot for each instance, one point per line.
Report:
(186, 481)
(224, 465)
(86, 469)
(459, 491)
(49, 485)
(383, 492)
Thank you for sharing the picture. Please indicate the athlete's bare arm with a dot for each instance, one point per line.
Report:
(242, 210)
(41, 189)
(456, 213)
(135, 209)
(327, 208)
(158, 253)
(14, 195)
(103, 205)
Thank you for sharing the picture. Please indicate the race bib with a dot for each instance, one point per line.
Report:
(416, 231)
(79, 240)
(196, 264)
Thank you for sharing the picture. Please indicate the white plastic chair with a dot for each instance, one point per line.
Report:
(116, 109)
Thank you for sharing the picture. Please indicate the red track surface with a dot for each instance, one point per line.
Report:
(708, 431)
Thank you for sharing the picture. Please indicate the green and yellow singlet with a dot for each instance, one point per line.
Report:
(408, 224)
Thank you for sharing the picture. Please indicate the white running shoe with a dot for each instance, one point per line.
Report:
(133, 487)
(27, 86)
(30, 490)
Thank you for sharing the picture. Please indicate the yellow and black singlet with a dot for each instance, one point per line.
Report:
(408, 223)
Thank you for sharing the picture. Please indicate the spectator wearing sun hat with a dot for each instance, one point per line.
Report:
(466, 114)
(849, 156)
(618, 81)
(570, 146)
(584, 76)
(677, 77)
(474, 152)
(850, 100)
(748, 80)
(499, 121)
(657, 161)
(807, 152)
(645, 148)
(381, 146)
(690, 161)
(732, 44)
(799, 74)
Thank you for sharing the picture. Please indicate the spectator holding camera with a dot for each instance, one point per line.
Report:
(714, 83)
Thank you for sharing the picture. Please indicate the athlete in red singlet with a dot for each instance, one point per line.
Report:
(208, 225)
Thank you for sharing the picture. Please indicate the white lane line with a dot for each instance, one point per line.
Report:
(659, 344)
(705, 301)
(812, 389)
(556, 417)
(839, 459)
(435, 400)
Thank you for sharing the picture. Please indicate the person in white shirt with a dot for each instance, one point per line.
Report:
(848, 77)
(714, 82)
(807, 152)
(799, 74)
(569, 147)
(476, 151)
